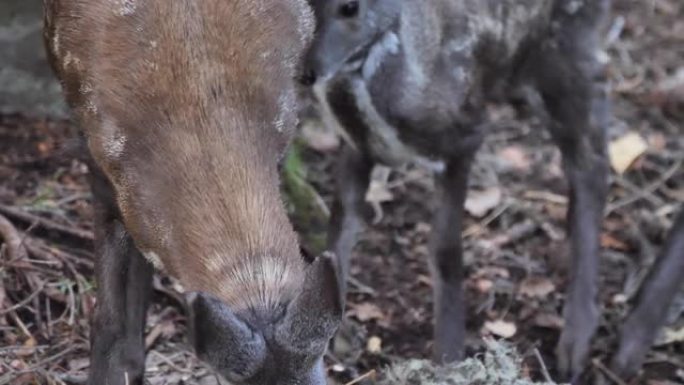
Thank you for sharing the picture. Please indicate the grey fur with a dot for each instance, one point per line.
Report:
(422, 100)
(253, 347)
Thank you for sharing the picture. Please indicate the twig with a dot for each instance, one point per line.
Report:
(361, 378)
(52, 358)
(516, 233)
(158, 286)
(38, 250)
(21, 324)
(155, 333)
(70, 255)
(13, 240)
(361, 287)
(73, 197)
(48, 316)
(637, 191)
(480, 226)
(23, 302)
(46, 224)
(648, 190)
(546, 196)
(171, 363)
(609, 373)
(545, 371)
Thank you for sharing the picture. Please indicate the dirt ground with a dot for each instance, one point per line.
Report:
(514, 237)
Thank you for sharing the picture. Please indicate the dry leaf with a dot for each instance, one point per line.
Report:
(366, 311)
(610, 242)
(79, 363)
(374, 345)
(484, 285)
(625, 150)
(319, 136)
(30, 342)
(423, 228)
(479, 202)
(670, 335)
(501, 328)
(536, 287)
(378, 190)
(515, 157)
(425, 280)
(548, 320)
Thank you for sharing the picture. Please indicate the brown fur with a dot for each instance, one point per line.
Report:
(181, 119)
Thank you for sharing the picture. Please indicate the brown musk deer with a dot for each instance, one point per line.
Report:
(186, 108)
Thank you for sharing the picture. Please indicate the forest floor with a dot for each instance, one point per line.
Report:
(515, 246)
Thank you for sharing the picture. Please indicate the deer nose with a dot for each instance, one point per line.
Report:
(308, 78)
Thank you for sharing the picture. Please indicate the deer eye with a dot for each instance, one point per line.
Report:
(349, 9)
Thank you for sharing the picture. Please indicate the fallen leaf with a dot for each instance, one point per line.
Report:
(374, 345)
(515, 157)
(548, 320)
(378, 190)
(79, 363)
(30, 342)
(44, 148)
(501, 328)
(625, 150)
(425, 280)
(479, 202)
(670, 335)
(18, 364)
(423, 228)
(610, 242)
(365, 312)
(319, 136)
(536, 287)
(484, 285)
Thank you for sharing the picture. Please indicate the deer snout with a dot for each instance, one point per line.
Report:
(319, 65)
(308, 77)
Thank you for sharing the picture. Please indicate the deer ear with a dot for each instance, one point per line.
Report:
(313, 316)
(222, 339)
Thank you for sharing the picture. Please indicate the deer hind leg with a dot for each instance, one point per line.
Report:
(124, 280)
(572, 86)
(656, 295)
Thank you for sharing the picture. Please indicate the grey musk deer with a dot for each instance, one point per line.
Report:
(407, 81)
(658, 291)
(185, 109)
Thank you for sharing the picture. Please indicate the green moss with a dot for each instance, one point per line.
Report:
(307, 211)
(499, 365)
